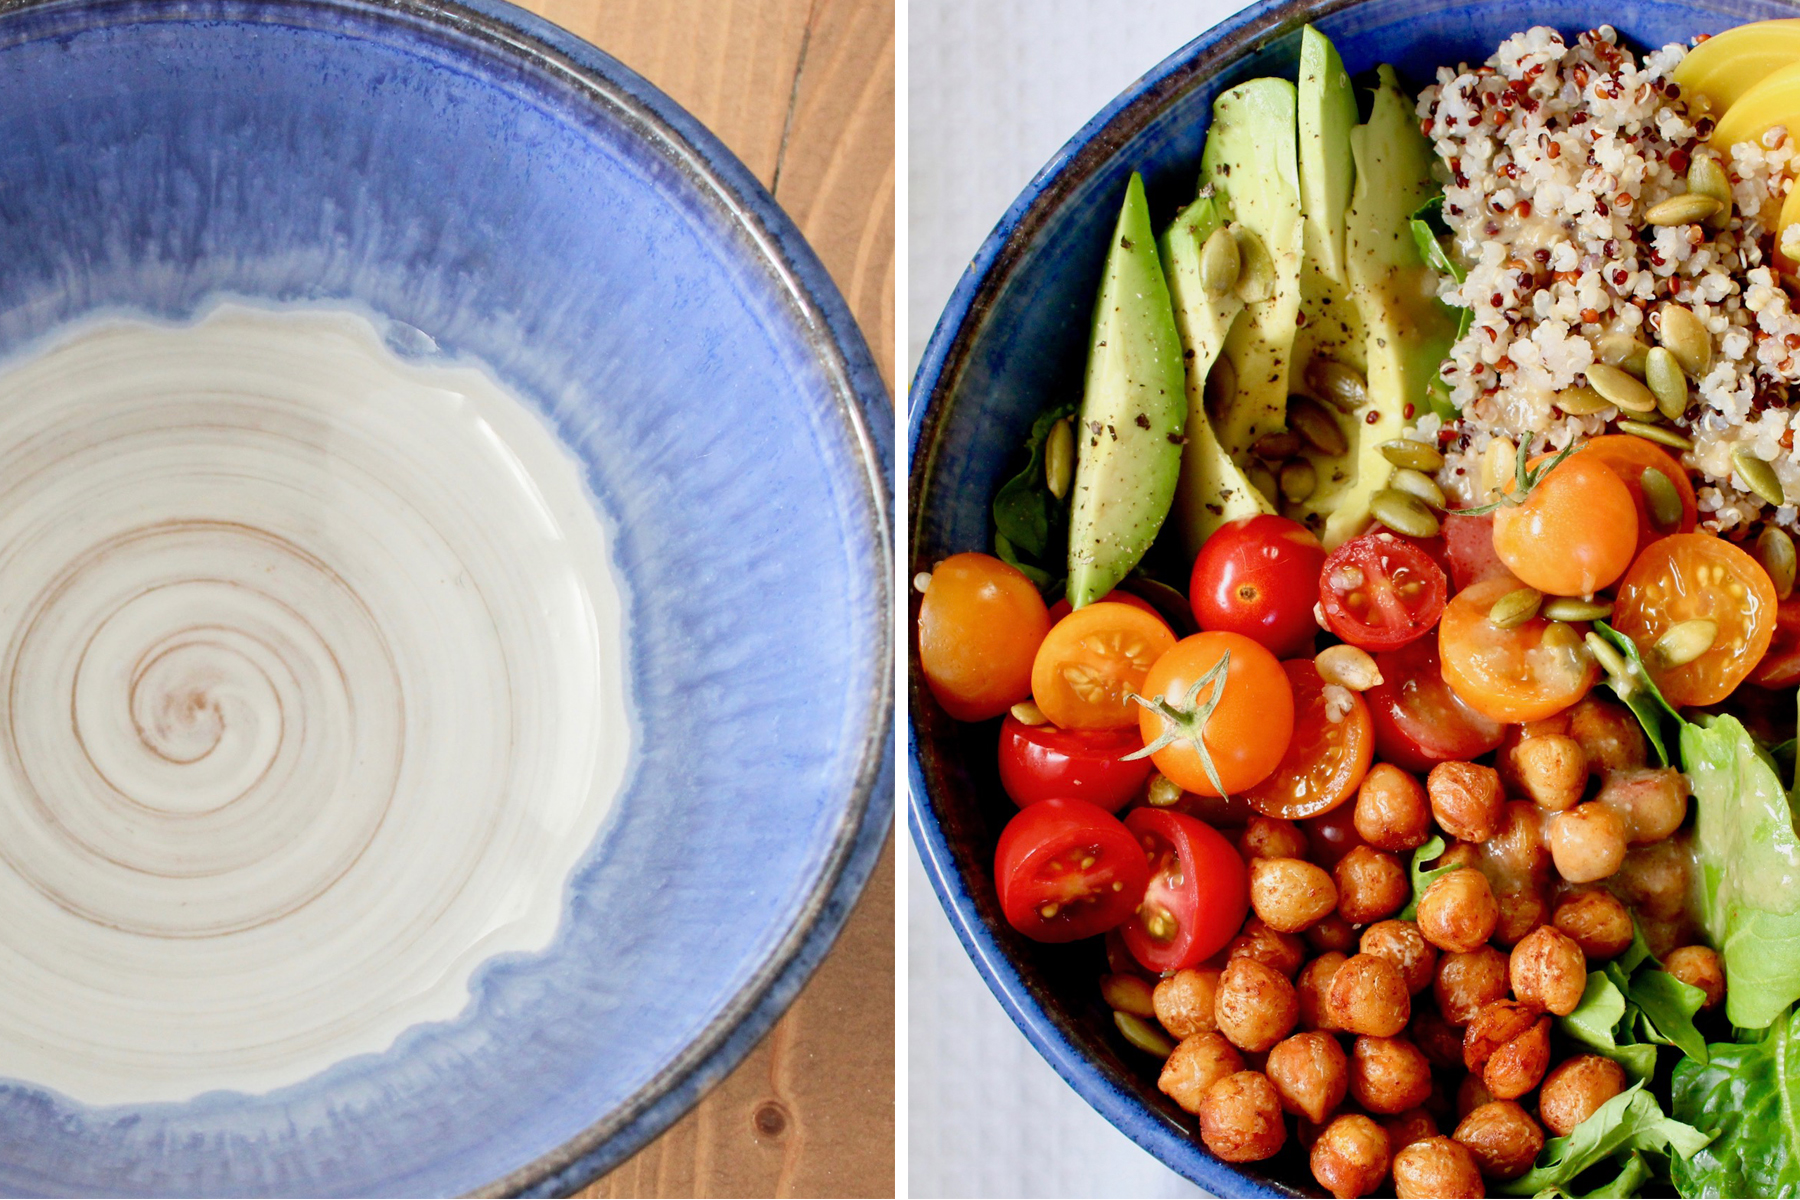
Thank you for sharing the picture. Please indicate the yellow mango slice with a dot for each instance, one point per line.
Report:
(1726, 65)
(1773, 101)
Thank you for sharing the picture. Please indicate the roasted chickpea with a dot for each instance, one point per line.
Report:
(1521, 910)
(1495, 1026)
(1666, 937)
(1549, 969)
(1575, 1089)
(1458, 911)
(1516, 855)
(1470, 981)
(1401, 943)
(1471, 1094)
(1256, 1006)
(1516, 1067)
(1502, 1138)
(1271, 837)
(1388, 1074)
(1437, 1167)
(1310, 1074)
(1652, 802)
(1313, 989)
(1550, 769)
(1197, 1063)
(1330, 933)
(1465, 799)
(1699, 966)
(1392, 811)
(1610, 736)
(1413, 1125)
(1597, 921)
(1240, 1118)
(1587, 842)
(1440, 1040)
(1290, 893)
(1368, 995)
(1653, 880)
(1282, 951)
(1184, 1001)
(1350, 1157)
(1370, 885)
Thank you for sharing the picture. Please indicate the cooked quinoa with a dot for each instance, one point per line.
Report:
(1550, 154)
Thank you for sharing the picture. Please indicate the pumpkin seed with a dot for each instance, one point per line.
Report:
(1685, 642)
(1221, 384)
(1027, 713)
(1573, 608)
(1581, 401)
(1609, 658)
(921, 581)
(1263, 480)
(1347, 666)
(1059, 458)
(1685, 209)
(1661, 498)
(1560, 637)
(1309, 419)
(1498, 467)
(1298, 480)
(1256, 271)
(1143, 1035)
(1775, 551)
(1220, 262)
(1655, 433)
(1707, 177)
(1516, 608)
(1417, 483)
(1277, 446)
(1662, 372)
(1620, 388)
(1403, 513)
(1337, 385)
(1404, 452)
(1624, 351)
(1759, 476)
(1686, 337)
(1127, 994)
(1162, 790)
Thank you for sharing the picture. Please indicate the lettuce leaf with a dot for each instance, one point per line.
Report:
(1638, 692)
(1748, 1093)
(1630, 1121)
(1422, 877)
(1603, 1022)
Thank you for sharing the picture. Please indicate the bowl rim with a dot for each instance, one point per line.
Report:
(1214, 51)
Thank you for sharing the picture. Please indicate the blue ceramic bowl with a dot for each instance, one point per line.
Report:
(1012, 342)
(528, 202)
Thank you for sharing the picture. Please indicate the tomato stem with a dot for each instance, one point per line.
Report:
(1526, 478)
(1190, 718)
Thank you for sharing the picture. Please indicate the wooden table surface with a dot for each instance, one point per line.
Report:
(803, 92)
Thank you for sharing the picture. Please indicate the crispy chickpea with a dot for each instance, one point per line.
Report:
(1495, 1026)
(1413, 1125)
(1350, 1157)
(1310, 1074)
(1587, 842)
(1521, 910)
(1256, 1006)
(1184, 1001)
(1368, 996)
(1388, 1074)
(1575, 1089)
(1653, 880)
(1437, 1167)
(1197, 1063)
(1330, 933)
(1313, 989)
(1517, 1066)
(1548, 968)
(1502, 1138)
(1516, 855)
(1271, 837)
(1370, 885)
(1290, 893)
(1609, 735)
(1392, 811)
(1282, 951)
(1401, 943)
(1240, 1118)
(1699, 966)
(1597, 921)
(1666, 937)
(1652, 802)
(1458, 912)
(1550, 769)
(1465, 799)
(1471, 1094)
(1470, 981)
(1440, 1040)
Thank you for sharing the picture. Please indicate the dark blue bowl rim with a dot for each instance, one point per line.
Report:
(767, 236)
(1212, 52)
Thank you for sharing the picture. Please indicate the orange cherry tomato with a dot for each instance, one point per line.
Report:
(980, 624)
(1575, 533)
(1093, 660)
(1325, 760)
(1696, 576)
(1245, 733)
(1526, 673)
(1629, 457)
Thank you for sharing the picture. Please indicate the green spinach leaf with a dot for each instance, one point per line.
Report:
(1748, 1093)
(1667, 1007)
(1031, 526)
(1639, 694)
(1630, 1121)
(1421, 876)
(1604, 1021)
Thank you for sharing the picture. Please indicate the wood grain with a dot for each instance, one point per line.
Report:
(803, 92)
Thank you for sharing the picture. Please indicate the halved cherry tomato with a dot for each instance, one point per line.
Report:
(1326, 759)
(1574, 534)
(1629, 457)
(1243, 715)
(1780, 665)
(980, 624)
(1067, 870)
(1469, 545)
(1042, 762)
(1255, 576)
(1530, 671)
(1379, 591)
(1696, 576)
(1419, 722)
(1093, 660)
(1198, 893)
(1062, 608)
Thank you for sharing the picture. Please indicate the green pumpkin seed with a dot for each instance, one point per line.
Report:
(1127, 994)
(1662, 373)
(1685, 642)
(1759, 476)
(1220, 262)
(1403, 513)
(1337, 385)
(1686, 337)
(1027, 713)
(1581, 401)
(1623, 351)
(1256, 271)
(1620, 388)
(1685, 209)
(1775, 551)
(1417, 483)
(1404, 452)
(1298, 480)
(1263, 480)
(1660, 496)
(1560, 636)
(1608, 656)
(1309, 419)
(1707, 177)
(1143, 1035)
(1277, 446)
(1221, 385)
(1573, 608)
(1516, 608)
(1655, 433)
(1162, 790)
(1059, 458)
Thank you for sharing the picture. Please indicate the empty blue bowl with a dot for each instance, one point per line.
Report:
(471, 172)
(1012, 342)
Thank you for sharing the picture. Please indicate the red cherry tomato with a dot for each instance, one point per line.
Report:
(1061, 608)
(1042, 762)
(1780, 665)
(1469, 546)
(1067, 870)
(1198, 893)
(1255, 576)
(1419, 721)
(1379, 591)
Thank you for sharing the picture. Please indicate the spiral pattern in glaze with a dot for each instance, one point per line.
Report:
(314, 695)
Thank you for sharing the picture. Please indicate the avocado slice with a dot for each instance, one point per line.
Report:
(1252, 163)
(1133, 408)
(1327, 113)
(1212, 488)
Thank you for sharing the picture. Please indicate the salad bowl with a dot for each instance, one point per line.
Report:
(492, 193)
(1013, 344)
